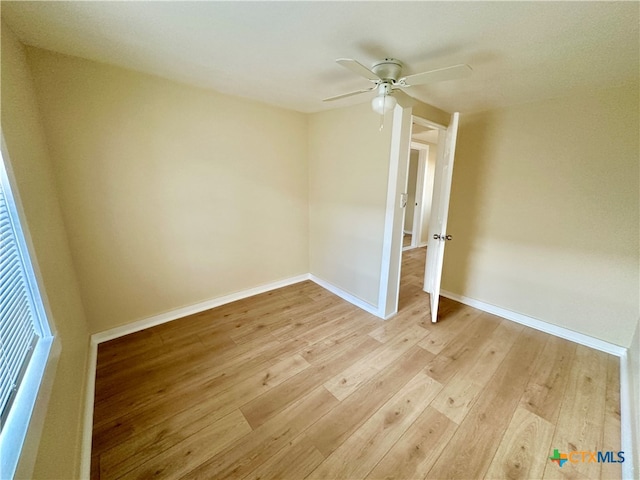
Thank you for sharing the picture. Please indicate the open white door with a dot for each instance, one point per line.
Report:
(439, 212)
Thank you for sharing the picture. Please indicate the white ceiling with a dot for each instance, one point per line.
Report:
(283, 52)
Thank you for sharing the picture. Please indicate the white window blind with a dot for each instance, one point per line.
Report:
(17, 314)
(20, 309)
(25, 336)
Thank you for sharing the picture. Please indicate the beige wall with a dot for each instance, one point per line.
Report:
(348, 170)
(544, 212)
(54, 436)
(171, 195)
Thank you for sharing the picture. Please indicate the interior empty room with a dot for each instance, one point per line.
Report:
(323, 240)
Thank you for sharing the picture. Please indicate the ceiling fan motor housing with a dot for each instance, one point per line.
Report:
(389, 69)
(385, 88)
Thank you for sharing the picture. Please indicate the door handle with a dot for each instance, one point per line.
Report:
(442, 237)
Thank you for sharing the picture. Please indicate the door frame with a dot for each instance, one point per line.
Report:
(389, 289)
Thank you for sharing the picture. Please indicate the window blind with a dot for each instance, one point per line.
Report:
(17, 313)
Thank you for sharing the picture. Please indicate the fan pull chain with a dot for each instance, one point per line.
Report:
(384, 101)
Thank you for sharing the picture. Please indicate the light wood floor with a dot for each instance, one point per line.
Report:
(296, 383)
(406, 240)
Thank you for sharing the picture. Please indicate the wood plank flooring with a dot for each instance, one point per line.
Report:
(406, 240)
(297, 383)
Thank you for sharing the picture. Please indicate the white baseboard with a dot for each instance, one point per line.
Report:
(352, 299)
(541, 325)
(411, 247)
(192, 309)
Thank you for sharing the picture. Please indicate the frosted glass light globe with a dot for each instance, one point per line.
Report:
(383, 103)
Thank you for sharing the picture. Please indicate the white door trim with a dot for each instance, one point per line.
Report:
(394, 214)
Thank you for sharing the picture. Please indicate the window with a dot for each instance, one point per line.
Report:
(25, 337)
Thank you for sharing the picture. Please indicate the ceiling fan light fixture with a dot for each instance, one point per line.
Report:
(383, 103)
(387, 77)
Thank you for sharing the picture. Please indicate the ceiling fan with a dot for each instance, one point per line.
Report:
(386, 77)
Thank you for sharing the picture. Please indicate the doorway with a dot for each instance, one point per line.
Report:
(419, 186)
(419, 190)
(401, 139)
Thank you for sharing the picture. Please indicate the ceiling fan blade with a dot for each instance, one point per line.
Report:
(358, 68)
(440, 75)
(344, 95)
